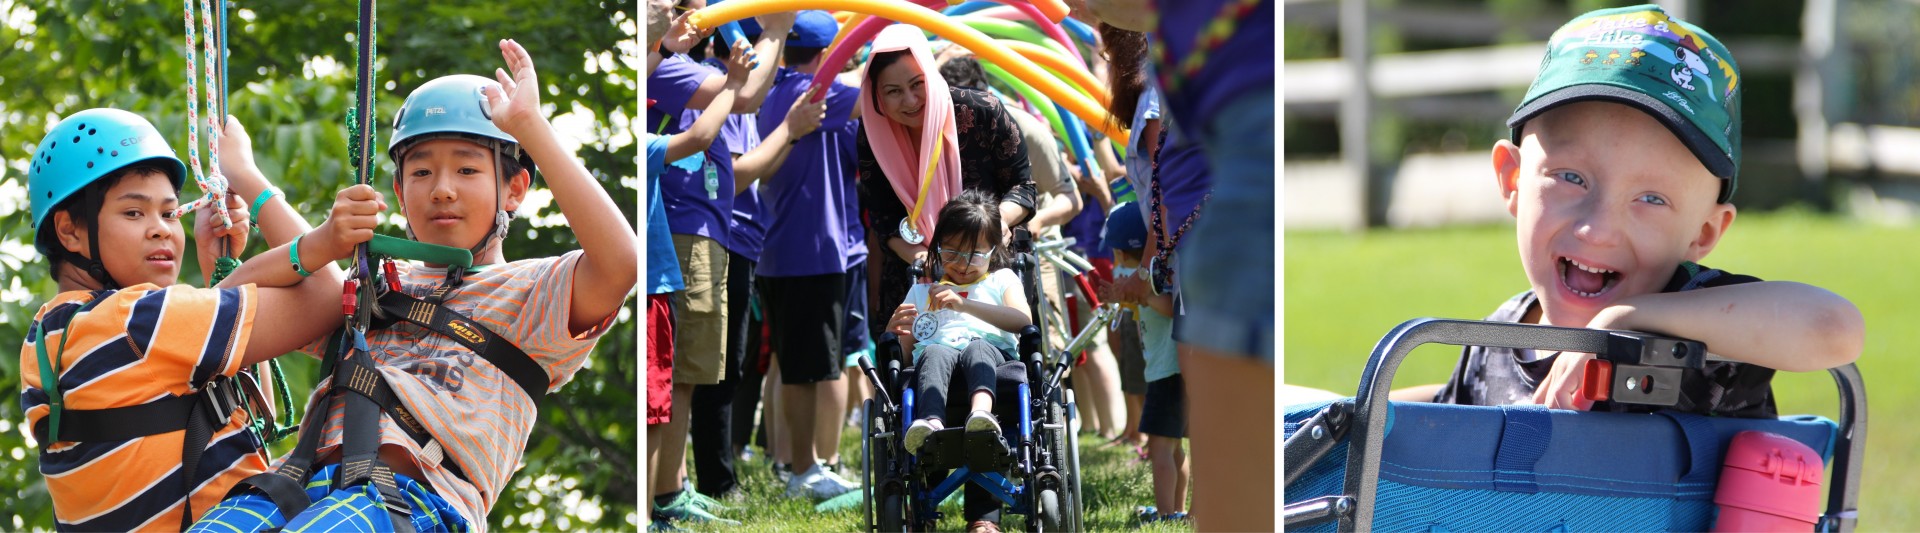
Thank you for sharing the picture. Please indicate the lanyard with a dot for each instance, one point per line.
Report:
(1210, 38)
(926, 180)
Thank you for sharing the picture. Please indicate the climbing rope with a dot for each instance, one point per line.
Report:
(210, 180)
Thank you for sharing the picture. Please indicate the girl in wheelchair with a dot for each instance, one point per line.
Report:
(961, 324)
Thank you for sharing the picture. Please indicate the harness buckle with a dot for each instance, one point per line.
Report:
(221, 396)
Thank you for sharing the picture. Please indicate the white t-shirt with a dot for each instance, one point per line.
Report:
(961, 329)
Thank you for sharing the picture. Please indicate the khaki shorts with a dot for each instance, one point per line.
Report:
(700, 312)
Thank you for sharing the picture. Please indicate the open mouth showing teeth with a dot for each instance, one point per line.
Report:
(1586, 281)
(160, 257)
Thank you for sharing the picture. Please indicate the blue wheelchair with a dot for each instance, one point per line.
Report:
(1362, 464)
(1033, 470)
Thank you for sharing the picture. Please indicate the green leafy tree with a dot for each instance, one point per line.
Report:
(292, 68)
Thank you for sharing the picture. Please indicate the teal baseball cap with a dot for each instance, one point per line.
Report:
(1641, 57)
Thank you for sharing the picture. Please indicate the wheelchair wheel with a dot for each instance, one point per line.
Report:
(867, 465)
(1049, 509)
(1075, 500)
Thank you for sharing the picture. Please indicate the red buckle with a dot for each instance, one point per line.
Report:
(1597, 386)
(350, 297)
(393, 276)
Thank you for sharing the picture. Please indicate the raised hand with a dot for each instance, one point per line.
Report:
(515, 104)
(806, 114)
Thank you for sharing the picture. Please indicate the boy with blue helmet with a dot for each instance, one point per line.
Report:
(460, 365)
(129, 380)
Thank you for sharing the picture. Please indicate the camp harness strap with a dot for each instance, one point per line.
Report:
(372, 395)
(200, 414)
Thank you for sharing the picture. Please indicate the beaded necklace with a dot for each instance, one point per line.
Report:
(1214, 34)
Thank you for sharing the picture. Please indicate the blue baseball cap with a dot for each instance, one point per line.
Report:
(1126, 228)
(813, 28)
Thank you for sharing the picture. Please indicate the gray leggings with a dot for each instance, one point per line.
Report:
(939, 367)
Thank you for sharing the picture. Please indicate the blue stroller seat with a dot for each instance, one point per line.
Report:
(1439, 467)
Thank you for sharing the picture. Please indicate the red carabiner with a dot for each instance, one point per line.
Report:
(393, 276)
(350, 297)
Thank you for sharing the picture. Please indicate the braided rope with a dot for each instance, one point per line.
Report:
(210, 180)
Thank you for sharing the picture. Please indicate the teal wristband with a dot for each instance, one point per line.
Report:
(261, 201)
(293, 253)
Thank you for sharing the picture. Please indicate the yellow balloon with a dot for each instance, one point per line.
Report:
(927, 19)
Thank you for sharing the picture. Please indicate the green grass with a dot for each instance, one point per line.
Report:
(1344, 291)
(1114, 485)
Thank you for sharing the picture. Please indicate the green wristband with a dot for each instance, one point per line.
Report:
(260, 201)
(293, 253)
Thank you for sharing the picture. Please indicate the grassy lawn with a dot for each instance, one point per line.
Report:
(1113, 482)
(1344, 291)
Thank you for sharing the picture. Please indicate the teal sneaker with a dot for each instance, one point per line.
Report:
(686, 509)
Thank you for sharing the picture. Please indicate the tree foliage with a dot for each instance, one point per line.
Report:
(291, 85)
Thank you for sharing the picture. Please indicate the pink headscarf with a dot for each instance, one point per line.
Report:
(904, 165)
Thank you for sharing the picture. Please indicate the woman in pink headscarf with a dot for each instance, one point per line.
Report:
(922, 143)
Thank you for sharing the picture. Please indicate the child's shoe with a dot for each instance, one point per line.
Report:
(983, 422)
(918, 432)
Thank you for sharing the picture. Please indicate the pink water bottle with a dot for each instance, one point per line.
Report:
(1768, 483)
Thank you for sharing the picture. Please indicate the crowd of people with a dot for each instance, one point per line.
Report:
(787, 221)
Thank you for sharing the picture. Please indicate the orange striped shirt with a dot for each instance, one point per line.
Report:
(130, 347)
(476, 414)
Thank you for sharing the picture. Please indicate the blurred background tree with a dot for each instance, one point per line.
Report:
(291, 86)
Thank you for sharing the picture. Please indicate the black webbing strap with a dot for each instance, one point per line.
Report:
(499, 351)
(360, 447)
(135, 421)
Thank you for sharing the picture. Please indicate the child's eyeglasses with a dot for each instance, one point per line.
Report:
(974, 258)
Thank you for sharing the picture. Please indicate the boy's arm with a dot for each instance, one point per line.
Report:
(706, 128)
(291, 304)
(761, 162)
(1776, 324)
(609, 264)
(1161, 303)
(771, 46)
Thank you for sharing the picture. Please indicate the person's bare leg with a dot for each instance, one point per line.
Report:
(1102, 374)
(856, 392)
(799, 403)
(981, 401)
(673, 442)
(1160, 450)
(1181, 477)
(774, 412)
(1135, 404)
(1233, 462)
(829, 417)
(653, 458)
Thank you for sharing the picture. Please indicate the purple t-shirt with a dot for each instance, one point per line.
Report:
(744, 229)
(1085, 230)
(697, 190)
(1244, 63)
(806, 201)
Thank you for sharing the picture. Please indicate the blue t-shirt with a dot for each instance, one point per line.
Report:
(808, 201)
(698, 190)
(744, 228)
(663, 266)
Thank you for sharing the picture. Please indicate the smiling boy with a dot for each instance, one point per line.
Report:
(1621, 174)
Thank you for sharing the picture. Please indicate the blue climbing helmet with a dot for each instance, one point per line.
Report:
(453, 107)
(82, 149)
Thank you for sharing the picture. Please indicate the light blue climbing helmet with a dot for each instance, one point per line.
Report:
(447, 107)
(85, 147)
(453, 107)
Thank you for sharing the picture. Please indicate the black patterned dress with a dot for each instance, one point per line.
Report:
(993, 157)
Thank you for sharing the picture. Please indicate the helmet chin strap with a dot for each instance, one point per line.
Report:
(93, 265)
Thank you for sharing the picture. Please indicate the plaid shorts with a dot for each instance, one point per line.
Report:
(355, 508)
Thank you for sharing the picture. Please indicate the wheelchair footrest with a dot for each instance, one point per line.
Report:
(951, 448)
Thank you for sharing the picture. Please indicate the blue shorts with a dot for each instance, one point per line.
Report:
(356, 508)
(1226, 266)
